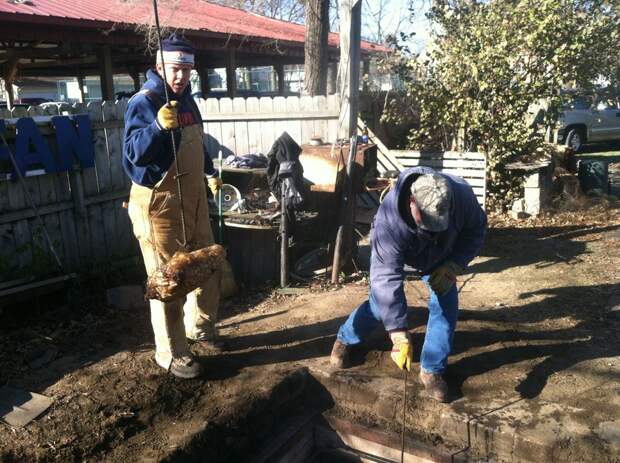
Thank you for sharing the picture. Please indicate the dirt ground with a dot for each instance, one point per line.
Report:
(535, 323)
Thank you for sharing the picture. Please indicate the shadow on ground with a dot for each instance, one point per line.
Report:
(511, 247)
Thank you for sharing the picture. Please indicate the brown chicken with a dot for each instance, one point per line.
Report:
(184, 272)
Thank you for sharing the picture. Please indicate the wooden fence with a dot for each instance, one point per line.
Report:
(468, 165)
(251, 125)
(82, 208)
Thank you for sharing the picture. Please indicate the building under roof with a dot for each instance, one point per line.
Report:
(47, 38)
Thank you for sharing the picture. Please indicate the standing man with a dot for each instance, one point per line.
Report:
(432, 222)
(154, 203)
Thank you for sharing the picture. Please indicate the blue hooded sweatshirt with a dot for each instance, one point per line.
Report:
(395, 242)
(147, 148)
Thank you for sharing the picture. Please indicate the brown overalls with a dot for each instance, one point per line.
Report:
(156, 218)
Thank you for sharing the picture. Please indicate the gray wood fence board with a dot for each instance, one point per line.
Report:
(312, 116)
(121, 108)
(15, 196)
(117, 179)
(104, 151)
(295, 128)
(65, 218)
(333, 125)
(97, 179)
(439, 155)
(8, 257)
(475, 167)
(254, 131)
(279, 105)
(90, 176)
(47, 190)
(48, 195)
(214, 130)
(23, 243)
(471, 166)
(52, 225)
(97, 232)
(93, 185)
(228, 129)
(63, 186)
(34, 190)
(267, 128)
(319, 103)
(111, 233)
(69, 237)
(80, 218)
(27, 213)
(4, 195)
(241, 129)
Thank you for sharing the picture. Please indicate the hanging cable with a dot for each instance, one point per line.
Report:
(177, 175)
(402, 437)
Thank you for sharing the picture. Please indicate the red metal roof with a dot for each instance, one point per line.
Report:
(191, 15)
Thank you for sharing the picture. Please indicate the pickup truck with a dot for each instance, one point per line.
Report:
(588, 120)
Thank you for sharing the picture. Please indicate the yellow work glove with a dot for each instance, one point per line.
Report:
(215, 183)
(167, 116)
(402, 351)
(444, 277)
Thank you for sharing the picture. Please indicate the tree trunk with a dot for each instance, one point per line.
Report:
(315, 63)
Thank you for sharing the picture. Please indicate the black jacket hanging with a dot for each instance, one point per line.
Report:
(285, 171)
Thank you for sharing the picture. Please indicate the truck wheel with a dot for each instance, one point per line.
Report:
(575, 140)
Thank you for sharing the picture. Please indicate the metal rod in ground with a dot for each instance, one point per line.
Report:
(402, 437)
(284, 240)
(22, 182)
(174, 143)
(220, 217)
(344, 225)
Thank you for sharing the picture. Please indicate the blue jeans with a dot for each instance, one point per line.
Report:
(443, 313)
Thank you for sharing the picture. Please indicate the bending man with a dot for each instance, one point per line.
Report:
(433, 223)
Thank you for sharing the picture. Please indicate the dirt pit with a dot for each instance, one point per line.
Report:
(534, 372)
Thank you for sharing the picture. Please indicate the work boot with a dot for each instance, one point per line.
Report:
(339, 358)
(185, 367)
(436, 387)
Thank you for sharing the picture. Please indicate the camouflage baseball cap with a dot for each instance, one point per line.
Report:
(433, 196)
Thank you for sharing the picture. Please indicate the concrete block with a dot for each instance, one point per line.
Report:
(533, 181)
(518, 210)
(126, 297)
(518, 205)
(455, 427)
(533, 200)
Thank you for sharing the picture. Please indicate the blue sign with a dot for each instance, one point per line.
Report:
(73, 139)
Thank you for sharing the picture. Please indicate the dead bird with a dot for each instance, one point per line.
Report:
(184, 272)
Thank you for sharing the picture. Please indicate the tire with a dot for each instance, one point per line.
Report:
(575, 139)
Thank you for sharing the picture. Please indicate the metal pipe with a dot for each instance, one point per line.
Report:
(344, 211)
(284, 230)
(402, 437)
(220, 217)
